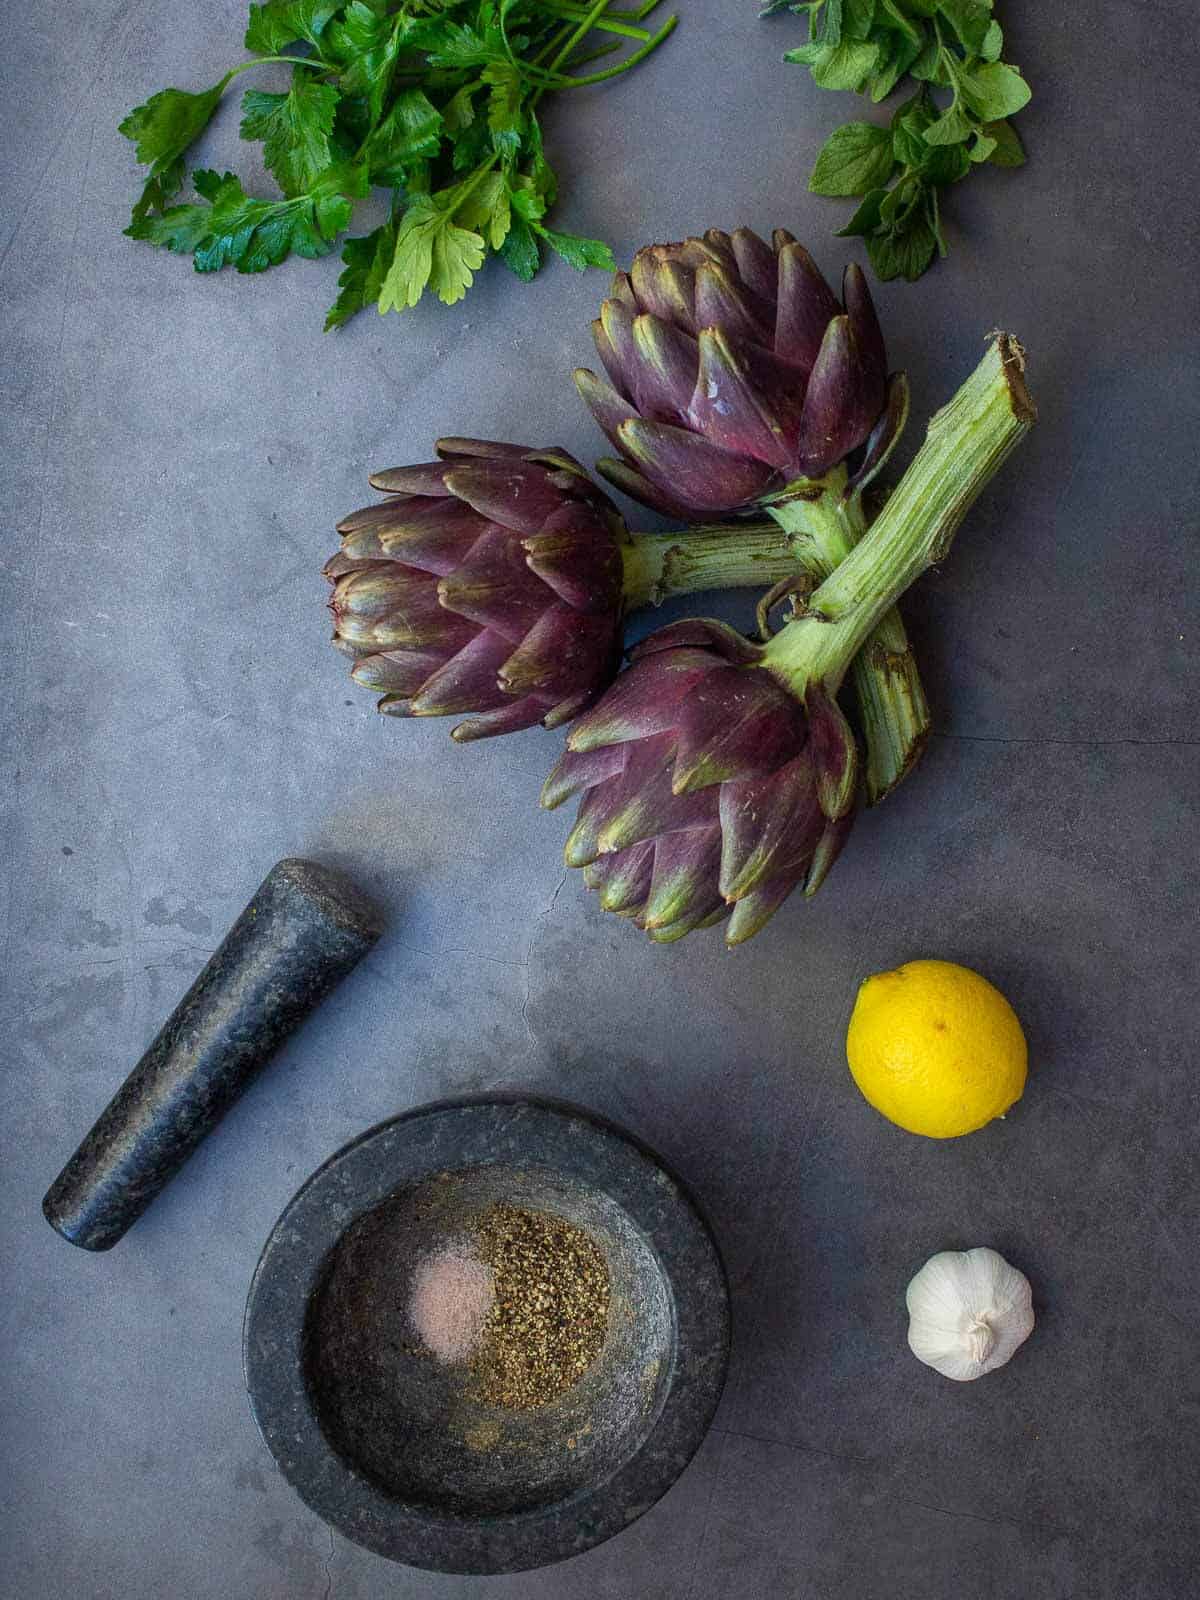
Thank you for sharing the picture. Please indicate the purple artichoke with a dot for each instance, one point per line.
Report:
(734, 371)
(709, 789)
(488, 584)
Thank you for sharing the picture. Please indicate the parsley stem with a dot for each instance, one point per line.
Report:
(469, 184)
(288, 61)
(630, 60)
(590, 17)
(606, 24)
(600, 50)
(553, 44)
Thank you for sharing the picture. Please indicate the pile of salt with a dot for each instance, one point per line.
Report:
(452, 1294)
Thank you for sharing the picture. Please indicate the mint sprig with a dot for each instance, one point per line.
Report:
(933, 141)
(435, 100)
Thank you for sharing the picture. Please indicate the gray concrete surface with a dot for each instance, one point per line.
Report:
(177, 452)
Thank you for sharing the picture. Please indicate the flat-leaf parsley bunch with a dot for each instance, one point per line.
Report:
(433, 99)
(869, 46)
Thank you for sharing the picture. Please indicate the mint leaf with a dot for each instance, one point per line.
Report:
(579, 253)
(934, 216)
(294, 128)
(519, 252)
(831, 22)
(890, 15)
(1009, 151)
(854, 158)
(899, 57)
(866, 219)
(279, 23)
(970, 20)
(845, 67)
(806, 55)
(929, 66)
(858, 19)
(411, 131)
(161, 130)
(951, 127)
(908, 129)
(899, 203)
(994, 90)
(943, 164)
(869, 46)
(903, 255)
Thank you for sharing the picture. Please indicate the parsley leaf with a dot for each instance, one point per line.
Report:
(431, 252)
(162, 129)
(579, 253)
(519, 252)
(366, 43)
(433, 100)
(460, 45)
(504, 105)
(279, 23)
(488, 209)
(366, 261)
(226, 227)
(294, 128)
(411, 132)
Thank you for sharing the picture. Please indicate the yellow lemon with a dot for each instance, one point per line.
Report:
(936, 1048)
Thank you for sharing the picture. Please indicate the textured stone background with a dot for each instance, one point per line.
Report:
(177, 452)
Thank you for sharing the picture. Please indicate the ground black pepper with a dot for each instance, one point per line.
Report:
(550, 1313)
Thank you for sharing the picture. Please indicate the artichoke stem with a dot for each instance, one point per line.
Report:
(967, 442)
(892, 708)
(721, 556)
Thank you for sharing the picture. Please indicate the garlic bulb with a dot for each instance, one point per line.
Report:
(968, 1313)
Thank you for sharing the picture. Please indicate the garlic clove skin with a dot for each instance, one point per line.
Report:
(969, 1311)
